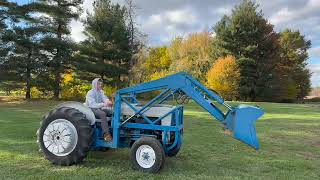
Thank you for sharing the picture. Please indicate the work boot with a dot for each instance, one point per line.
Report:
(107, 137)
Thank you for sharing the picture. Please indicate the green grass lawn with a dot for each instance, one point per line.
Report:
(289, 138)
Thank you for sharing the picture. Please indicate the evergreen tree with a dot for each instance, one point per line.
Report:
(5, 16)
(247, 34)
(21, 40)
(58, 44)
(247, 86)
(6, 82)
(25, 59)
(106, 52)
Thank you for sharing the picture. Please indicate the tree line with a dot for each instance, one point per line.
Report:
(37, 49)
(242, 57)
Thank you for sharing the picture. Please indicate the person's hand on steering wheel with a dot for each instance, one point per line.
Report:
(108, 103)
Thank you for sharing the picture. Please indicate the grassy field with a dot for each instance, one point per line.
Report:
(289, 137)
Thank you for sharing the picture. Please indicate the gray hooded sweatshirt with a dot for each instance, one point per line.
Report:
(95, 98)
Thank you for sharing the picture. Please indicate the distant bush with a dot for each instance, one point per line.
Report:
(74, 92)
(36, 93)
(78, 92)
(109, 91)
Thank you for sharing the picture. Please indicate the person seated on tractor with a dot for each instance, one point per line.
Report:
(100, 105)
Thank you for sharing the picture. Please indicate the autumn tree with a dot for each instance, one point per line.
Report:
(191, 54)
(293, 64)
(157, 63)
(224, 77)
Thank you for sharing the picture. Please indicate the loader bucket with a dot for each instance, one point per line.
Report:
(240, 121)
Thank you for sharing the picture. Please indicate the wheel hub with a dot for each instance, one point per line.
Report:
(145, 156)
(60, 137)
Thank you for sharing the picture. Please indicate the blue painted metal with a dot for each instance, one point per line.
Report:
(152, 127)
(136, 112)
(239, 120)
(97, 138)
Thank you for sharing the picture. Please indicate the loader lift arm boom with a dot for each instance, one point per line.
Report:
(242, 129)
(190, 86)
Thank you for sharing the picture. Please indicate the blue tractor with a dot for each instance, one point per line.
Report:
(153, 130)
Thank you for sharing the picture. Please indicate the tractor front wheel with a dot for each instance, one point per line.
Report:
(147, 155)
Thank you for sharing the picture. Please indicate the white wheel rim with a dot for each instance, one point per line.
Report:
(60, 137)
(145, 156)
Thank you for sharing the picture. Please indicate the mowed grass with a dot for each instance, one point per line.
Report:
(289, 138)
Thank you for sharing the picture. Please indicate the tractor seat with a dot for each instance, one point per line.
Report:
(108, 115)
(99, 120)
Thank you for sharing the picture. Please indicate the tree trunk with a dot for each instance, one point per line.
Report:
(57, 73)
(28, 76)
(131, 24)
(56, 91)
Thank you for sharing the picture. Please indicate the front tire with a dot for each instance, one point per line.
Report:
(147, 155)
(65, 136)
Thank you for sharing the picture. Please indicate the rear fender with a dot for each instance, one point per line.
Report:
(80, 107)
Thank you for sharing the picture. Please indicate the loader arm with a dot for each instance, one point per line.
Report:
(239, 120)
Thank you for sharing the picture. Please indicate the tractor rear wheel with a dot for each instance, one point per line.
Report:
(173, 152)
(65, 136)
(147, 155)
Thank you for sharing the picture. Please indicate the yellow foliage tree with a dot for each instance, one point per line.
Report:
(159, 74)
(68, 78)
(224, 77)
(158, 59)
(157, 63)
(191, 54)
